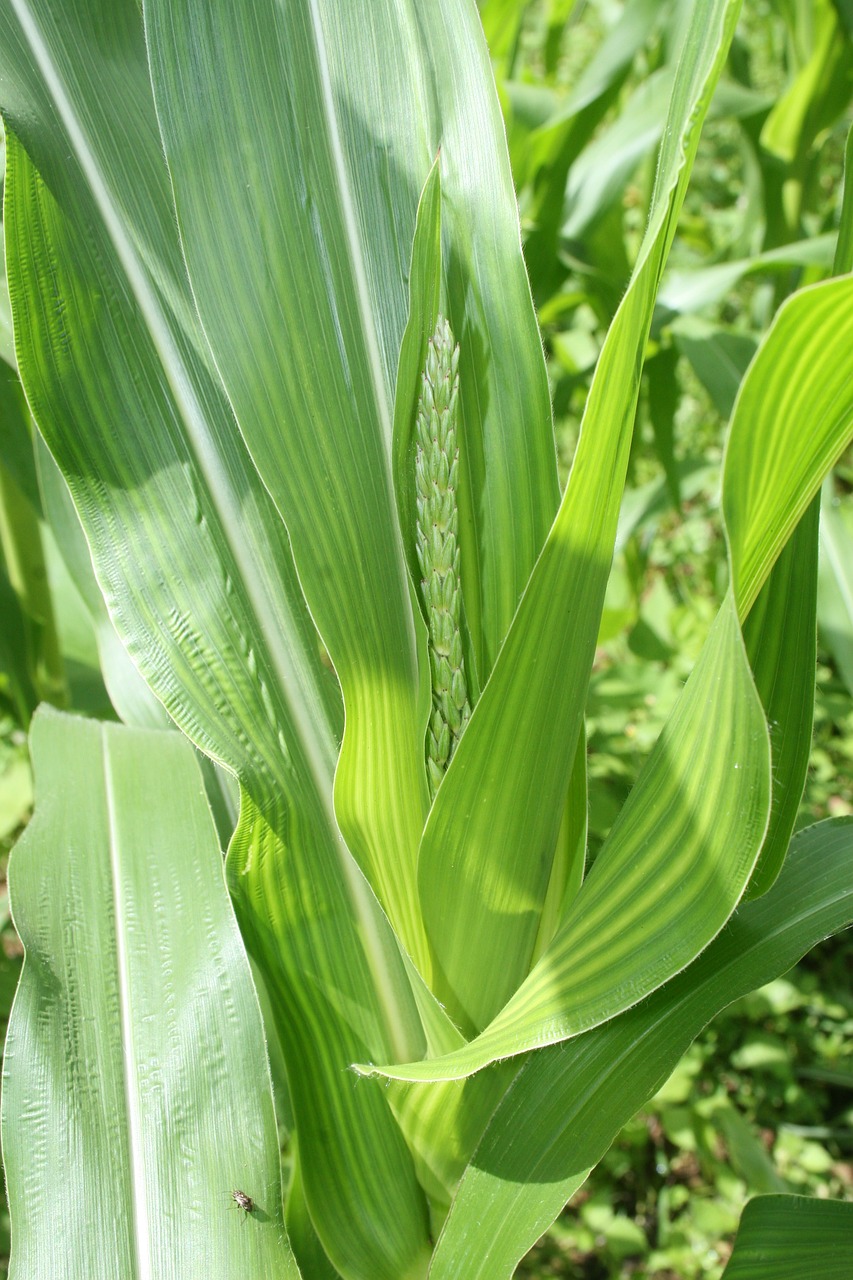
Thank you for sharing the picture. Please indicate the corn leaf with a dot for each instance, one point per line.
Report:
(134, 974)
(802, 372)
(786, 1237)
(567, 1103)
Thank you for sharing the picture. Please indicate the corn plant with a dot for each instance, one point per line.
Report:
(273, 323)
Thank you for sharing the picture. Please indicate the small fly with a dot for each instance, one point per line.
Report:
(242, 1201)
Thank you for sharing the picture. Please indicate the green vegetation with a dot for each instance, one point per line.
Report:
(504, 711)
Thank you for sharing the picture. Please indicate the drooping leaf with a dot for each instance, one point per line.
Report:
(802, 372)
(567, 1103)
(787, 1237)
(688, 291)
(136, 1092)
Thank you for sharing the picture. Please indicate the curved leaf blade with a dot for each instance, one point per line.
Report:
(802, 372)
(139, 1070)
(566, 1104)
(786, 1237)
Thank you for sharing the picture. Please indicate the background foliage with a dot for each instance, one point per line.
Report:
(762, 1101)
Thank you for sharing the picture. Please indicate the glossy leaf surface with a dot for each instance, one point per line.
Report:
(567, 1103)
(135, 974)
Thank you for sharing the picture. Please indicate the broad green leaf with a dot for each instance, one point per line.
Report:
(235, 705)
(329, 1003)
(802, 373)
(788, 1237)
(301, 340)
(325, 234)
(189, 551)
(567, 1103)
(489, 841)
(136, 1092)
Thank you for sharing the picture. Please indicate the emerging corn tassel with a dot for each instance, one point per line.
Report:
(436, 467)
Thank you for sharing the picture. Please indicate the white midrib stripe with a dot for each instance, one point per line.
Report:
(136, 1157)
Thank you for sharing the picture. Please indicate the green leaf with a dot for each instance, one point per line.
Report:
(788, 1237)
(330, 1001)
(489, 841)
(566, 1104)
(136, 1091)
(719, 358)
(802, 372)
(309, 367)
(819, 92)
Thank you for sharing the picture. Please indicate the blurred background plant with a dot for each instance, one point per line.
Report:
(763, 1101)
